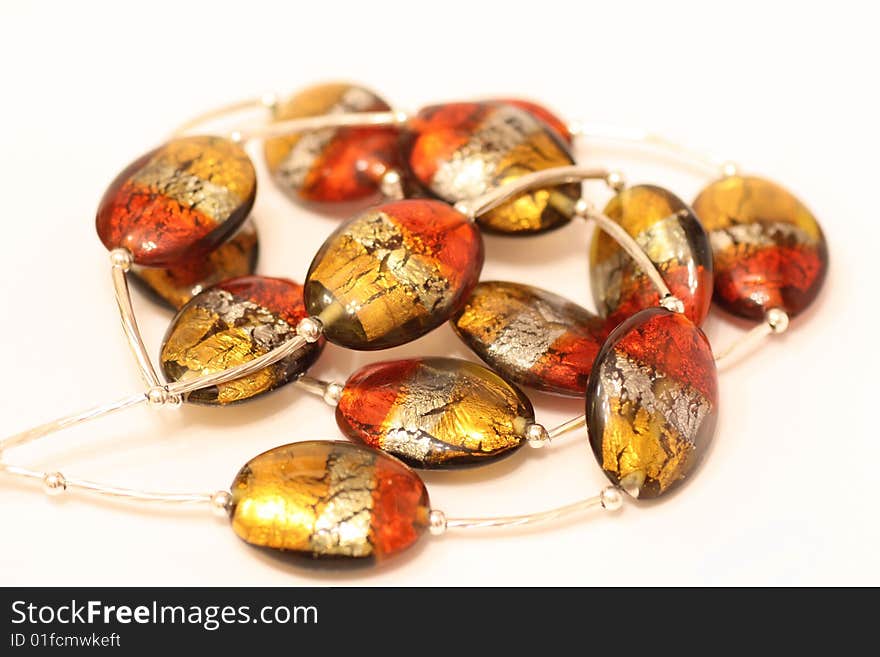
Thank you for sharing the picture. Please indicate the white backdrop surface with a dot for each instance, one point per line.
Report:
(788, 494)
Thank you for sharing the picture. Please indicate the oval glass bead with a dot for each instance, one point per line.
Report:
(531, 336)
(332, 164)
(672, 237)
(174, 286)
(231, 324)
(461, 150)
(181, 200)
(652, 402)
(329, 500)
(393, 273)
(769, 249)
(539, 111)
(434, 412)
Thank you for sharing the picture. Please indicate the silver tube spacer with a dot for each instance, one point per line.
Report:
(611, 498)
(537, 435)
(310, 329)
(54, 483)
(777, 319)
(582, 208)
(672, 303)
(437, 522)
(220, 503)
(121, 259)
(333, 393)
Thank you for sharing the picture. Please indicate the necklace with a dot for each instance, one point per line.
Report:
(176, 221)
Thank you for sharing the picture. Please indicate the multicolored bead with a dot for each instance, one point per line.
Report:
(329, 500)
(176, 285)
(461, 150)
(332, 164)
(539, 111)
(231, 324)
(769, 249)
(671, 235)
(393, 273)
(531, 336)
(434, 412)
(652, 402)
(179, 201)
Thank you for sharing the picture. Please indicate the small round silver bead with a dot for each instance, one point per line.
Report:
(778, 320)
(581, 207)
(391, 187)
(158, 397)
(672, 303)
(729, 169)
(615, 181)
(54, 483)
(269, 100)
(121, 259)
(537, 435)
(310, 328)
(437, 522)
(612, 498)
(333, 393)
(220, 503)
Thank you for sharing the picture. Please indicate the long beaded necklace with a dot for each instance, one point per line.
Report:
(176, 222)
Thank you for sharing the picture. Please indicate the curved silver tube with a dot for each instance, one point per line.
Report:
(556, 176)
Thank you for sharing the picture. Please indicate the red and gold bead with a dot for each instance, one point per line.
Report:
(231, 324)
(652, 402)
(393, 273)
(176, 285)
(179, 201)
(769, 249)
(531, 336)
(434, 412)
(461, 150)
(332, 164)
(539, 111)
(329, 500)
(672, 237)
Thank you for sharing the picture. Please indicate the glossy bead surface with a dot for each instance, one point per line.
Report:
(332, 164)
(179, 201)
(461, 150)
(434, 412)
(174, 286)
(393, 273)
(769, 249)
(329, 500)
(539, 111)
(531, 336)
(231, 324)
(671, 235)
(652, 402)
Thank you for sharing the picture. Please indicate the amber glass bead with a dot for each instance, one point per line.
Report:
(769, 249)
(652, 402)
(541, 112)
(329, 500)
(332, 164)
(461, 150)
(231, 324)
(531, 336)
(179, 201)
(176, 285)
(669, 232)
(393, 273)
(434, 412)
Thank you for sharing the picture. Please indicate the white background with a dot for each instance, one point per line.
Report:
(788, 494)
